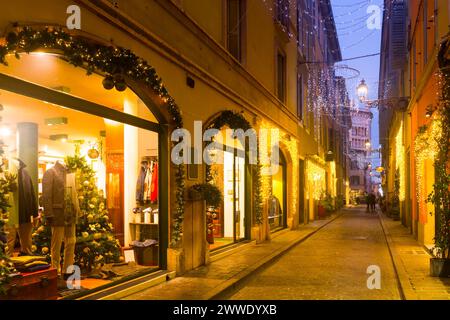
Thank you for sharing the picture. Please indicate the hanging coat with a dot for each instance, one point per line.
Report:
(27, 198)
(154, 184)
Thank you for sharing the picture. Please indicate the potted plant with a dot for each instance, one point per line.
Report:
(321, 211)
(440, 198)
(394, 211)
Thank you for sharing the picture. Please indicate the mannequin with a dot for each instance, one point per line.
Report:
(61, 208)
(23, 208)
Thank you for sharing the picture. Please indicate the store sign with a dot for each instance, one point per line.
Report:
(74, 19)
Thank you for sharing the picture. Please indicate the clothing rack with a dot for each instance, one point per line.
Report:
(149, 159)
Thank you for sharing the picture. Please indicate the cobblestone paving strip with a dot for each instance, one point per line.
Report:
(331, 264)
(208, 281)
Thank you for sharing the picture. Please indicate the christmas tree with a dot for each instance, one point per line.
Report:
(7, 184)
(96, 244)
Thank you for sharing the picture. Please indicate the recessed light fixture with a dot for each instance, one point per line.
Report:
(56, 121)
(59, 137)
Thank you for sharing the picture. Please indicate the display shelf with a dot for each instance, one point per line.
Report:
(141, 231)
(144, 224)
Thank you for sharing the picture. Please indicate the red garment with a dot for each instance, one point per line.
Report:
(154, 185)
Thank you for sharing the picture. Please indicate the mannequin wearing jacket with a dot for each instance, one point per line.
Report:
(61, 208)
(24, 206)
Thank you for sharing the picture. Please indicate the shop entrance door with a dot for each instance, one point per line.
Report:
(232, 228)
(239, 196)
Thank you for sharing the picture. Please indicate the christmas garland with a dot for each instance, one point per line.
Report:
(116, 63)
(235, 121)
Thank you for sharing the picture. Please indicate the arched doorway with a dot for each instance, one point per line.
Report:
(231, 173)
(278, 200)
(114, 141)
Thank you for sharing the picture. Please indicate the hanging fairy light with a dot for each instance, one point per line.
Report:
(400, 161)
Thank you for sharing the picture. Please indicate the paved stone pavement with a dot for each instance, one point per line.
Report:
(207, 281)
(326, 259)
(331, 264)
(413, 265)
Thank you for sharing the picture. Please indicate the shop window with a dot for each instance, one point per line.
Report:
(114, 166)
(235, 23)
(281, 77)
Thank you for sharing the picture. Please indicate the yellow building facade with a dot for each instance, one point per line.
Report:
(249, 57)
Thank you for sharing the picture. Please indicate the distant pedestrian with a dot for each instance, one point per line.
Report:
(372, 202)
(367, 201)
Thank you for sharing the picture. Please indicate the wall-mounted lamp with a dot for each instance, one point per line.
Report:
(429, 111)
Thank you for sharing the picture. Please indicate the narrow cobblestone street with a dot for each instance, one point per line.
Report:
(331, 264)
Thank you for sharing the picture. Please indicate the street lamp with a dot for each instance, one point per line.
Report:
(362, 90)
(398, 102)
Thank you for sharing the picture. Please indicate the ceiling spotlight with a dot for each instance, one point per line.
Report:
(59, 137)
(56, 121)
(5, 132)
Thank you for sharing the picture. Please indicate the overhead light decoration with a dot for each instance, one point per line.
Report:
(362, 90)
(93, 153)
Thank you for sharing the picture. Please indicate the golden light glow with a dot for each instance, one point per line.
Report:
(425, 148)
(400, 161)
(290, 144)
(316, 178)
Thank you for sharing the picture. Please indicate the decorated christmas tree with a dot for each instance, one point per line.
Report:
(96, 244)
(7, 184)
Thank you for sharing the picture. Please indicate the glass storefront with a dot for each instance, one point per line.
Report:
(95, 178)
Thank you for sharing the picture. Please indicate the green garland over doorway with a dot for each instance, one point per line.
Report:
(235, 120)
(115, 63)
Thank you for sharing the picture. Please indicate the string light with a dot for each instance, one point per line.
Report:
(425, 148)
(400, 161)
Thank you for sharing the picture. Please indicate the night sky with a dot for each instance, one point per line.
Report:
(356, 39)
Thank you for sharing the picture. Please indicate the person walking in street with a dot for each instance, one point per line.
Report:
(367, 201)
(372, 202)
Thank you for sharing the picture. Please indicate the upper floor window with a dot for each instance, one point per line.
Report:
(436, 23)
(281, 76)
(282, 11)
(235, 23)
